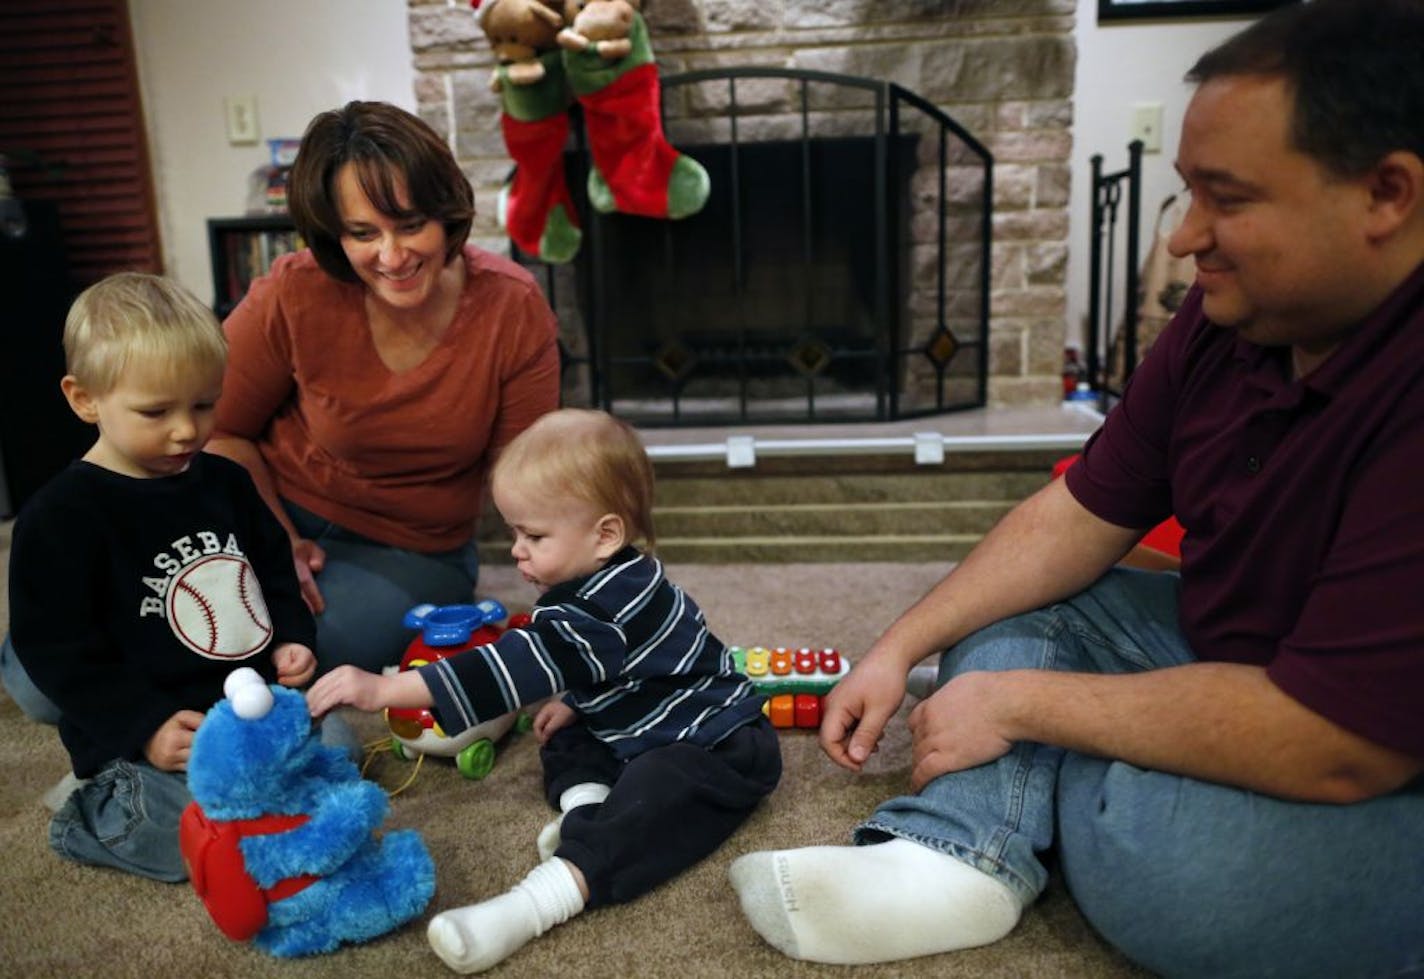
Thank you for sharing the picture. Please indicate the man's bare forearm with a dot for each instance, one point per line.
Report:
(1218, 722)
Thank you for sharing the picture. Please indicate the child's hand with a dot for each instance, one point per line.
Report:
(296, 664)
(552, 716)
(168, 749)
(367, 691)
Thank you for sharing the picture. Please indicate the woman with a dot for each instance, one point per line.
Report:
(373, 378)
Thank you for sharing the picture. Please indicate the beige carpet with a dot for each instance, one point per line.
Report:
(60, 919)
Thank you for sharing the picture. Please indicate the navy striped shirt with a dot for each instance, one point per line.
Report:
(631, 649)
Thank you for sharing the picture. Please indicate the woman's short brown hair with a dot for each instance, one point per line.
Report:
(386, 144)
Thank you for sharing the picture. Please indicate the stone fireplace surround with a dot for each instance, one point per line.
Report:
(1002, 69)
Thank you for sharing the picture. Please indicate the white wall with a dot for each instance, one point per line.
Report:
(298, 57)
(302, 56)
(1120, 64)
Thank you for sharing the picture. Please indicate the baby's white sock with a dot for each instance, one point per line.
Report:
(854, 905)
(475, 937)
(583, 794)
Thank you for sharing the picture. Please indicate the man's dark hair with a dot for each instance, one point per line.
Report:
(385, 144)
(1355, 67)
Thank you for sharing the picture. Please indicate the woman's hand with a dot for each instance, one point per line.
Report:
(309, 559)
(553, 715)
(171, 744)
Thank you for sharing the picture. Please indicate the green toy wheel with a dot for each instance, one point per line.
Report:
(399, 749)
(524, 724)
(475, 760)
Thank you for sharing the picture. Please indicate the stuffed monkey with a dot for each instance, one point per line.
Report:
(535, 208)
(609, 64)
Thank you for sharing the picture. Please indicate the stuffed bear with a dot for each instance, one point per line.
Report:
(608, 60)
(519, 31)
(534, 208)
(604, 25)
(280, 840)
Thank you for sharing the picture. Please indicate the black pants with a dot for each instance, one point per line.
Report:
(668, 807)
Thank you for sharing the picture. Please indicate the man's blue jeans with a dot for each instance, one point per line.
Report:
(369, 586)
(1185, 877)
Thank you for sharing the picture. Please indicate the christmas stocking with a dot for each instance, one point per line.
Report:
(535, 208)
(635, 170)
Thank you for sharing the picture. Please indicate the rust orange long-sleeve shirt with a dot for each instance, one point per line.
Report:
(398, 457)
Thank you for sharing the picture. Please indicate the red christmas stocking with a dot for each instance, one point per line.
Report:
(535, 208)
(636, 170)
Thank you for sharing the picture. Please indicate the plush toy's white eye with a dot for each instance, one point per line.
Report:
(248, 694)
(240, 677)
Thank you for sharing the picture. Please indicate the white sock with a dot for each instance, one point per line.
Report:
(583, 794)
(58, 794)
(855, 905)
(478, 936)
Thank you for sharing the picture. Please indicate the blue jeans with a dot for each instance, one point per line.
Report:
(1185, 877)
(22, 689)
(369, 586)
(126, 816)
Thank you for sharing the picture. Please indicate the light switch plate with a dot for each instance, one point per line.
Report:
(241, 114)
(1147, 126)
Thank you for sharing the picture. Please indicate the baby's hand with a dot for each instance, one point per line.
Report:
(345, 685)
(296, 664)
(367, 691)
(553, 715)
(171, 744)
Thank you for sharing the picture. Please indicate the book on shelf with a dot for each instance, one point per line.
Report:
(249, 254)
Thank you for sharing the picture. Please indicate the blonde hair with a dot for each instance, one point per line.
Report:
(589, 456)
(133, 318)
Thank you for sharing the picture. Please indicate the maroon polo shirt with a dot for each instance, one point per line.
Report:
(1302, 503)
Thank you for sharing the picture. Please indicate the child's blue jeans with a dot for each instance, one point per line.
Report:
(1185, 877)
(22, 689)
(126, 816)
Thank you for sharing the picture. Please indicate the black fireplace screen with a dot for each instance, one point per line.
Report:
(838, 272)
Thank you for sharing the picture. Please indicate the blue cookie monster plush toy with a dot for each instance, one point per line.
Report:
(280, 839)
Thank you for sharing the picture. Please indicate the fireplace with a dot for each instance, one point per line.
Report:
(839, 271)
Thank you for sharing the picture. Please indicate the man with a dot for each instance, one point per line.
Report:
(1228, 761)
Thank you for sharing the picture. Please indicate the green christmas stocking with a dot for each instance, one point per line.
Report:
(636, 170)
(535, 208)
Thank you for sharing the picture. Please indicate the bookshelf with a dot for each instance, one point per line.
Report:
(243, 249)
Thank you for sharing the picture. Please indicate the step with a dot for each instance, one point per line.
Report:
(837, 486)
(827, 507)
(829, 519)
(784, 550)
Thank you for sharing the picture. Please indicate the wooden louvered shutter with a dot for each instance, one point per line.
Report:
(71, 127)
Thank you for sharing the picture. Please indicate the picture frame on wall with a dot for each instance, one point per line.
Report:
(1110, 10)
